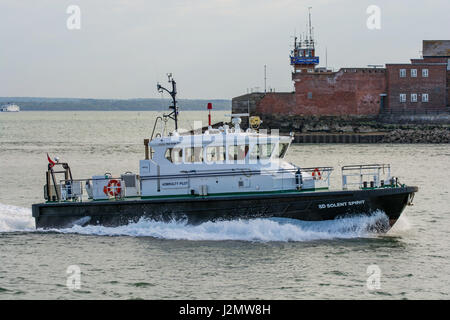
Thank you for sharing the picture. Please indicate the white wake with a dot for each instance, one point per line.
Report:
(274, 229)
(14, 218)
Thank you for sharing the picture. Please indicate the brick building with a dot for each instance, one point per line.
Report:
(418, 87)
(421, 86)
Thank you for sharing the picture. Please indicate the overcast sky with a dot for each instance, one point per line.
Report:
(214, 48)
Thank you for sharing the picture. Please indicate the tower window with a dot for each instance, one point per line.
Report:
(402, 97)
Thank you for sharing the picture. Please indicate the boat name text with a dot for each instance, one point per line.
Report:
(341, 204)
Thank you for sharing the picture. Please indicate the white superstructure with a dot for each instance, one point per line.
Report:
(221, 161)
(10, 108)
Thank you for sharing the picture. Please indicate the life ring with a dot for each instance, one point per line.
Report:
(114, 188)
(319, 175)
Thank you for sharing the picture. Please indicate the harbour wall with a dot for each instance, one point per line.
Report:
(362, 129)
(437, 135)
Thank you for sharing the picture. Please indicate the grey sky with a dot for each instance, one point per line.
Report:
(214, 48)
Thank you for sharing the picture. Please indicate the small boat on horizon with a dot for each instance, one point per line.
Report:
(222, 173)
(9, 107)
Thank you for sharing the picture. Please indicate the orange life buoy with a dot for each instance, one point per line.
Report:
(319, 175)
(113, 188)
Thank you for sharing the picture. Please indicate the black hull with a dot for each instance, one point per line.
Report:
(308, 206)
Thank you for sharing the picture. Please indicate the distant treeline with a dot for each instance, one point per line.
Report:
(64, 104)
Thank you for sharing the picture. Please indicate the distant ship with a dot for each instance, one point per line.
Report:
(10, 107)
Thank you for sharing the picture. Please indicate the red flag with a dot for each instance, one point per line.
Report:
(51, 162)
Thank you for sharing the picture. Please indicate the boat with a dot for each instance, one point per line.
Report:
(10, 107)
(217, 173)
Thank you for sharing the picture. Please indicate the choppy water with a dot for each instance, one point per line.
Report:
(257, 259)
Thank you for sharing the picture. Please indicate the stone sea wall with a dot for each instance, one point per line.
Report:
(364, 129)
(417, 135)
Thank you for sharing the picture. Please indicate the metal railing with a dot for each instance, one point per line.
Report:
(366, 176)
(321, 175)
(74, 189)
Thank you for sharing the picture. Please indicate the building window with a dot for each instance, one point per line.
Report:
(425, 73)
(413, 73)
(424, 97)
(402, 97)
(413, 97)
(402, 73)
(309, 95)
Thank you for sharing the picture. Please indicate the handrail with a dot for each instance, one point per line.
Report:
(232, 172)
(217, 173)
(317, 168)
(154, 126)
(372, 172)
(153, 133)
(366, 166)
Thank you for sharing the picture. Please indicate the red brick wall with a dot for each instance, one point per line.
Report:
(354, 91)
(448, 88)
(283, 102)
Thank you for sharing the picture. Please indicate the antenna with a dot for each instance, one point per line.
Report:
(265, 79)
(173, 115)
(310, 30)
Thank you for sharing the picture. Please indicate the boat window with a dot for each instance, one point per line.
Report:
(193, 154)
(262, 151)
(216, 153)
(282, 150)
(174, 155)
(237, 152)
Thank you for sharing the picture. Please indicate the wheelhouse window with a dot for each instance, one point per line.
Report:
(282, 149)
(214, 154)
(193, 154)
(174, 155)
(237, 152)
(262, 151)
